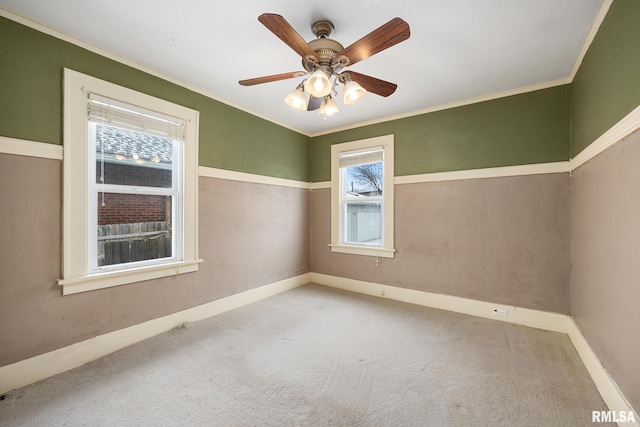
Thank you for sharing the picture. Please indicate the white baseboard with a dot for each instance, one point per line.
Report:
(45, 365)
(54, 362)
(607, 387)
(522, 316)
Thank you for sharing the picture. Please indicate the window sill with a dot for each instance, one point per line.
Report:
(122, 277)
(363, 250)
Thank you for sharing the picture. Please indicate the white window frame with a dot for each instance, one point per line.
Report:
(77, 275)
(386, 249)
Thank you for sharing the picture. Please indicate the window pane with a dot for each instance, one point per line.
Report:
(364, 180)
(133, 227)
(363, 223)
(125, 157)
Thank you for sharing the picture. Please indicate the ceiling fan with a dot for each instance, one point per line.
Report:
(324, 59)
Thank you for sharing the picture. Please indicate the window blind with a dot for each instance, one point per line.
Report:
(114, 113)
(361, 157)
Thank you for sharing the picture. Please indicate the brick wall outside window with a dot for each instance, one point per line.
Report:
(132, 208)
(116, 208)
(122, 174)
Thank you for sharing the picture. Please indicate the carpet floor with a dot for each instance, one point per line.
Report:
(317, 356)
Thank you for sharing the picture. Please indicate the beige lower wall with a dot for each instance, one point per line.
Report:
(605, 254)
(249, 235)
(503, 240)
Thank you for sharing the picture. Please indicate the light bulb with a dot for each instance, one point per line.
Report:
(353, 92)
(296, 99)
(328, 107)
(318, 84)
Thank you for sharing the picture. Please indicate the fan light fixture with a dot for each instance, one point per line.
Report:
(318, 84)
(353, 92)
(296, 98)
(328, 107)
(324, 60)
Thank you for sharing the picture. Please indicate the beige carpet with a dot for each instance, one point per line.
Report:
(316, 356)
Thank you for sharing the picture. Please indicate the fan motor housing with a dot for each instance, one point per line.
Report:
(324, 47)
(326, 50)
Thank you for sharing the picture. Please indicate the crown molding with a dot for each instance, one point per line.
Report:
(133, 64)
(126, 61)
(602, 13)
(456, 104)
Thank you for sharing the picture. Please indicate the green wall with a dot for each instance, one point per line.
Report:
(516, 130)
(543, 126)
(607, 85)
(31, 69)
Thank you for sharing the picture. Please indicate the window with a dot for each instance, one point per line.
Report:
(362, 197)
(130, 186)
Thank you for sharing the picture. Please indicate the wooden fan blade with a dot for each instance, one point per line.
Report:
(285, 32)
(390, 34)
(274, 78)
(314, 103)
(372, 84)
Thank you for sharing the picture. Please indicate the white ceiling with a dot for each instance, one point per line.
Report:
(458, 49)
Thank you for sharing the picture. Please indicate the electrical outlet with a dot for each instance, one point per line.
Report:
(500, 312)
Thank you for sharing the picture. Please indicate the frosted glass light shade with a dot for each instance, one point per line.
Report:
(328, 107)
(353, 92)
(318, 84)
(296, 99)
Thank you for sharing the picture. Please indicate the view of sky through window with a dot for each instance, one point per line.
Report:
(365, 180)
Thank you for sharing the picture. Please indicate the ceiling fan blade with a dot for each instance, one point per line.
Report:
(274, 78)
(285, 32)
(314, 103)
(390, 34)
(372, 84)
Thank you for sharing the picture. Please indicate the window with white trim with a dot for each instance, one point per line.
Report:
(362, 197)
(130, 186)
